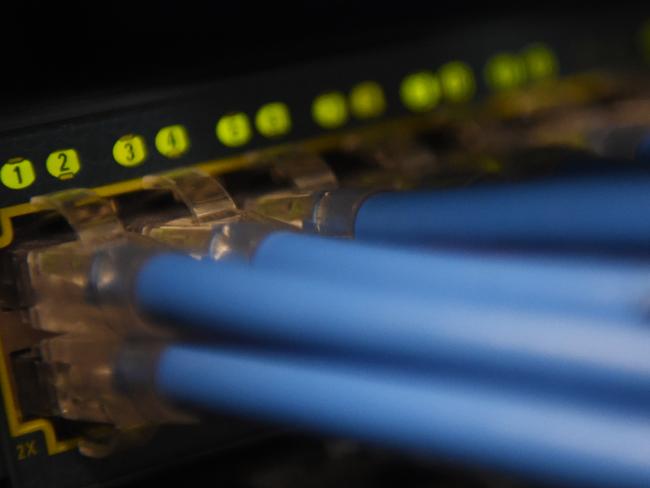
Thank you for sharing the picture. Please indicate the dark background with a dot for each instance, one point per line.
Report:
(60, 49)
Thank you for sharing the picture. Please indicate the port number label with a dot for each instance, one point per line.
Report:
(420, 91)
(130, 150)
(172, 141)
(17, 173)
(367, 100)
(234, 129)
(273, 119)
(26, 450)
(330, 110)
(457, 81)
(63, 164)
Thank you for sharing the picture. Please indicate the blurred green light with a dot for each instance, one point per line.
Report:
(505, 71)
(457, 81)
(420, 91)
(541, 62)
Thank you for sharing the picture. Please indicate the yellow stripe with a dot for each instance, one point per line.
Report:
(53, 445)
(18, 428)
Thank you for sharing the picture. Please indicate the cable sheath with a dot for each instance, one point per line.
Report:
(607, 211)
(460, 422)
(219, 298)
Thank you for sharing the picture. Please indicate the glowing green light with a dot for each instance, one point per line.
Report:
(234, 129)
(504, 71)
(273, 119)
(420, 91)
(330, 110)
(457, 81)
(367, 100)
(172, 141)
(541, 62)
(17, 173)
(130, 150)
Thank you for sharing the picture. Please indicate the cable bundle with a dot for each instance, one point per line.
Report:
(539, 365)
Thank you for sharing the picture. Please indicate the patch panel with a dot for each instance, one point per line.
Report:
(174, 167)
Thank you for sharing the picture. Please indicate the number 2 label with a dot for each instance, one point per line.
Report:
(63, 164)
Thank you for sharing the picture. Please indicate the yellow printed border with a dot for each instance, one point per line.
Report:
(19, 428)
(53, 445)
(16, 426)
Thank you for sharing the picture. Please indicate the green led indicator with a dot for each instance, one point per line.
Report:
(420, 91)
(541, 62)
(457, 81)
(505, 71)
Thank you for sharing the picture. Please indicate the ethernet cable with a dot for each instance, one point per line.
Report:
(217, 299)
(598, 211)
(587, 286)
(546, 437)
(132, 287)
(358, 337)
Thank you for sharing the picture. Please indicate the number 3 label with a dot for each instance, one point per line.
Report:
(130, 150)
(63, 164)
(17, 173)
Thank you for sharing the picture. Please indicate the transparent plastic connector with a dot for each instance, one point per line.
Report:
(295, 208)
(207, 202)
(330, 213)
(80, 298)
(399, 162)
(60, 275)
(80, 289)
(212, 214)
(401, 154)
(304, 170)
(238, 240)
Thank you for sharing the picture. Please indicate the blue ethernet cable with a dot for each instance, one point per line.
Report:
(233, 298)
(585, 286)
(597, 211)
(539, 436)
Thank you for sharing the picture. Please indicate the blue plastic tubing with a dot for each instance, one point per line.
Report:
(593, 287)
(608, 211)
(234, 298)
(538, 436)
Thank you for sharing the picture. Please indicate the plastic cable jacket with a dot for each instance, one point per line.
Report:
(587, 286)
(462, 422)
(610, 211)
(233, 298)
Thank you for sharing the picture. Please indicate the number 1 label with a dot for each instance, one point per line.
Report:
(17, 173)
